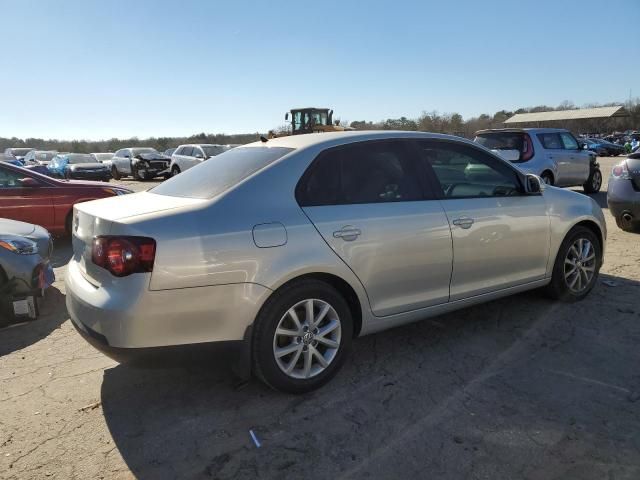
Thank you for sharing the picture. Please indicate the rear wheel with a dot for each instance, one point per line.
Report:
(594, 182)
(114, 173)
(301, 337)
(547, 177)
(577, 265)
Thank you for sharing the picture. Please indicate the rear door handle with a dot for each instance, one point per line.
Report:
(347, 233)
(463, 222)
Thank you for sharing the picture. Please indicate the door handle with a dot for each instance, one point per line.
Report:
(463, 222)
(347, 233)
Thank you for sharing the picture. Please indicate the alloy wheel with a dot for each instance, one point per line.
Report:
(307, 339)
(580, 265)
(596, 180)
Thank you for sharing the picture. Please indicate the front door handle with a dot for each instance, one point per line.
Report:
(463, 222)
(347, 233)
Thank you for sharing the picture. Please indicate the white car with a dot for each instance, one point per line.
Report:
(39, 157)
(187, 156)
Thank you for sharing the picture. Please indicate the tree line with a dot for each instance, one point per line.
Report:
(451, 123)
(454, 123)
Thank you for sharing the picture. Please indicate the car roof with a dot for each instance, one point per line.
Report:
(337, 138)
(520, 130)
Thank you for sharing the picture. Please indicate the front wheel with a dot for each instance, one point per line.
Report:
(594, 182)
(577, 265)
(301, 337)
(175, 170)
(114, 173)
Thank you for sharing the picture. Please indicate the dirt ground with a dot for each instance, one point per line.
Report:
(517, 388)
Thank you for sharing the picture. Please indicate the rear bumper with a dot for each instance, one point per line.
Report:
(104, 175)
(154, 356)
(125, 314)
(622, 197)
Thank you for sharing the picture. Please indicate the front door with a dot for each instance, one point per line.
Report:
(24, 203)
(369, 205)
(578, 161)
(500, 235)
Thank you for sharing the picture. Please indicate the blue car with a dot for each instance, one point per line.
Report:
(78, 166)
(5, 157)
(602, 147)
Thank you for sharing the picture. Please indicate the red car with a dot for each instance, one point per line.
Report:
(30, 197)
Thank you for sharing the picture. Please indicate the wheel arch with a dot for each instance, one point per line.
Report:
(594, 227)
(342, 286)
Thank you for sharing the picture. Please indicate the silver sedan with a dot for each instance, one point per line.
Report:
(290, 248)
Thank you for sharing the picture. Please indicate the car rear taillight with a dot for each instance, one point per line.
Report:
(621, 171)
(527, 148)
(123, 256)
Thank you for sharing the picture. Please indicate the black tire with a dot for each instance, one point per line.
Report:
(114, 173)
(547, 177)
(68, 223)
(67, 175)
(175, 170)
(134, 173)
(265, 366)
(594, 182)
(559, 287)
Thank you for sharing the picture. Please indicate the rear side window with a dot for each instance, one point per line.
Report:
(371, 172)
(550, 141)
(568, 141)
(212, 178)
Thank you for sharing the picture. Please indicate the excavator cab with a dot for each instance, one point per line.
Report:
(311, 120)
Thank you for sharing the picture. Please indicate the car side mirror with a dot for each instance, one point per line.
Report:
(29, 182)
(533, 184)
(199, 155)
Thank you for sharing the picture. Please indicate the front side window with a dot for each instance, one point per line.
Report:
(370, 172)
(187, 151)
(464, 172)
(10, 178)
(568, 141)
(550, 140)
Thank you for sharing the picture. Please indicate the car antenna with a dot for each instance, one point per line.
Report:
(263, 139)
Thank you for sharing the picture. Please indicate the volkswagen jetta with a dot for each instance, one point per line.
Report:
(290, 248)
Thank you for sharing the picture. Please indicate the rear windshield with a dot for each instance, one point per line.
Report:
(220, 173)
(81, 158)
(501, 140)
(20, 152)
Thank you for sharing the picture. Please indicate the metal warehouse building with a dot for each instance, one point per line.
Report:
(581, 120)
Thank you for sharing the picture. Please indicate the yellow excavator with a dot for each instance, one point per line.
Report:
(311, 120)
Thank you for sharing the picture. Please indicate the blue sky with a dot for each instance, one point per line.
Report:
(100, 69)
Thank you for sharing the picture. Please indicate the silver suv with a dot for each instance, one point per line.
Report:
(551, 153)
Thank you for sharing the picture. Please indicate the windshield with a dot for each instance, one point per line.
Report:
(81, 158)
(212, 150)
(214, 177)
(500, 140)
(138, 151)
(103, 156)
(20, 152)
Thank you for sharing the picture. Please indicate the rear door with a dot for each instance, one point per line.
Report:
(500, 235)
(368, 203)
(26, 204)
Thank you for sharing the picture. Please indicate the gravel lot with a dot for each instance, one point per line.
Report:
(517, 388)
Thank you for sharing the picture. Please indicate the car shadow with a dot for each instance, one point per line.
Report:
(194, 421)
(62, 251)
(53, 313)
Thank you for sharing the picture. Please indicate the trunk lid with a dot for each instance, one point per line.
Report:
(98, 217)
